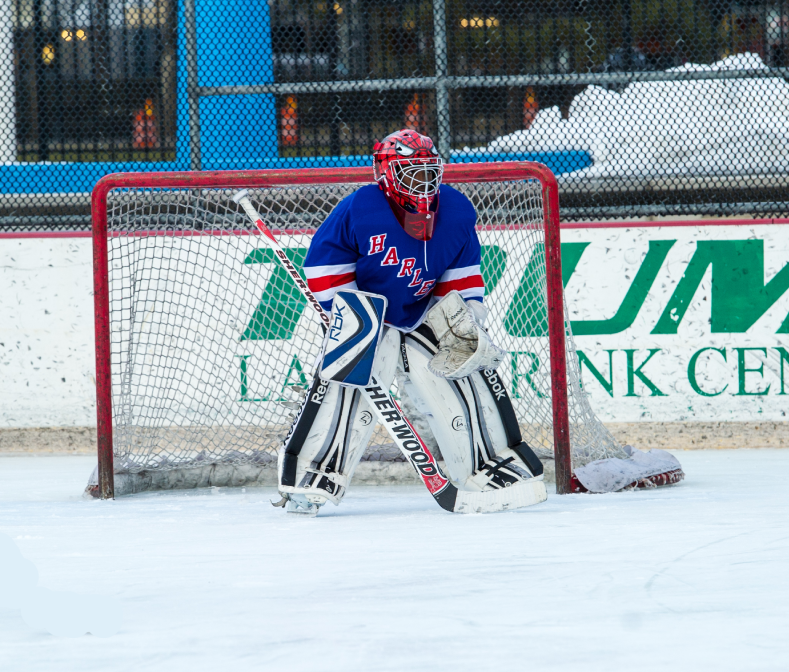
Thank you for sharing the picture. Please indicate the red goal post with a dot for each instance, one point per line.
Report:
(509, 173)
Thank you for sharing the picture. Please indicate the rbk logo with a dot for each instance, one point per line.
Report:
(336, 328)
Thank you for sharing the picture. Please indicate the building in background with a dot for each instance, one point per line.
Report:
(89, 87)
(83, 73)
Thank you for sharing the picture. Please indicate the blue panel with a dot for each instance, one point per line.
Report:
(80, 177)
(234, 49)
(182, 153)
(558, 162)
(58, 178)
(238, 132)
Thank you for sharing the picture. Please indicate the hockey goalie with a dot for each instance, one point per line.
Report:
(411, 240)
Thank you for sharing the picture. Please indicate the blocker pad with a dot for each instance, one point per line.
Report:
(357, 322)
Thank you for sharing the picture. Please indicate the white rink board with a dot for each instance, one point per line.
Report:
(47, 367)
(605, 273)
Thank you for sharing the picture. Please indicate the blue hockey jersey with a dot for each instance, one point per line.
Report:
(362, 246)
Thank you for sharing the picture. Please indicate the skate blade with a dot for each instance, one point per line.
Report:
(310, 512)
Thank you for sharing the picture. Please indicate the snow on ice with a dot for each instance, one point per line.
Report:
(691, 577)
(704, 127)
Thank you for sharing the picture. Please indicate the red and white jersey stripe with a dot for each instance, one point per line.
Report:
(325, 281)
(467, 280)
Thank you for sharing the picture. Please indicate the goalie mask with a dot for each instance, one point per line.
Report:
(408, 170)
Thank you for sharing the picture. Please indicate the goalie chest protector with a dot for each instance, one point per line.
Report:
(362, 246)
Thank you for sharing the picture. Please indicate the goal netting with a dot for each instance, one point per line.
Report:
(210, 341)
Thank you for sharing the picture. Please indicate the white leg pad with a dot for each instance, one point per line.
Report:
(465, 421)
(328, 438)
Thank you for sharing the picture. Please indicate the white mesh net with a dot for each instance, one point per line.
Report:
(211, 340)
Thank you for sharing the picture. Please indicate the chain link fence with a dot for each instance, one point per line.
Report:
(641, 107)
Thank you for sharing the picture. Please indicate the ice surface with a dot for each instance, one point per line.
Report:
(692, 577)
(704, 127)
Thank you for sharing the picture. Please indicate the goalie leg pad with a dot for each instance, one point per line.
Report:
(328, 437)
(472, 420)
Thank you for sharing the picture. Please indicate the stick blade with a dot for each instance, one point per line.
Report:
(516, 496)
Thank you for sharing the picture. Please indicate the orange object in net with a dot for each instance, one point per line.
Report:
(289, 122)
(530, 107)
(415, 115)
(145, 133)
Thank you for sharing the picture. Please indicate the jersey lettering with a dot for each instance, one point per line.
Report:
(407, 267)
(377, 244)
(427, 285)
(391, 257)
(416, 281)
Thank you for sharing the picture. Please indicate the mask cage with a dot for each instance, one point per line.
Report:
(419, 178)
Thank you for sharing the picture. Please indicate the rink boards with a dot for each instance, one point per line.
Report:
(681, 323)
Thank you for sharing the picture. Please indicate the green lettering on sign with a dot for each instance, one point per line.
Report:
(635, 297)
(739, 295)
(295, 367)
(301, 380)
(492, 264)
(784, 358)
(243, 365)
(633, 372)
(742, 369)
(527, 314)
(608, 385)
(517, 373)
(282, 304)
(692, 372)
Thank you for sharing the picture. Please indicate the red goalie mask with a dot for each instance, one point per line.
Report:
(408, 169)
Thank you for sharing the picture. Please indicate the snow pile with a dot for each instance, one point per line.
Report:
(702, 127)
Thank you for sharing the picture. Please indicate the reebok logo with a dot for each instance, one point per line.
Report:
(404, 355)
(320, 392)
(495, 384)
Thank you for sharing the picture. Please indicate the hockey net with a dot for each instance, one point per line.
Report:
(203, 342)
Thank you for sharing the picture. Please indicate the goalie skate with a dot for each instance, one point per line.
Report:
(501, 471)
(303, 505)
(506, 470)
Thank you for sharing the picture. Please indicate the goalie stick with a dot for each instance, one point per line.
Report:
(391, 416)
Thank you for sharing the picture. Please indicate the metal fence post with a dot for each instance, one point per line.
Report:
(192, 84)
(442, 93)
